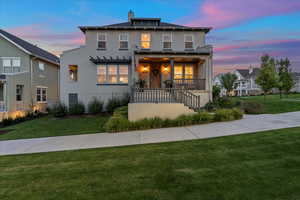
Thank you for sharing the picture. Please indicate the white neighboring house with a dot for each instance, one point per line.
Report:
(296, 77)
(245, 84)
(217, 82)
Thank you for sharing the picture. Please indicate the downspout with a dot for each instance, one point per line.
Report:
(31, 80)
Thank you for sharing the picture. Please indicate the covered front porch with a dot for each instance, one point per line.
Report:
(172, 77)
(180, 72)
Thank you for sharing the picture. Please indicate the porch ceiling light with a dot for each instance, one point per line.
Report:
(165, 69)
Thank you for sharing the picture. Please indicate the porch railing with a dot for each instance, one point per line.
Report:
(169, 95)
(189, 84)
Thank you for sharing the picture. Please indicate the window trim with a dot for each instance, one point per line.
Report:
(127, 34)
(98, 48)
(22, 93)
(107, 75)
(42, 88)
(171, 41)
(150, 41)
(11, 67)
(40, 62)
(193, 42)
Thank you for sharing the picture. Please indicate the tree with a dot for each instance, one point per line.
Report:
(216, 92)
(285, 78)
(227, 82)
(267, 77)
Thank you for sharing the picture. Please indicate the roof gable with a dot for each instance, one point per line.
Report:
(29, 48)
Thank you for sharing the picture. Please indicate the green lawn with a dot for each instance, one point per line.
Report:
(261, 166)
(274, 104)
(49, 126)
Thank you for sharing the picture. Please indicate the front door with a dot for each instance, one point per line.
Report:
(155, 76)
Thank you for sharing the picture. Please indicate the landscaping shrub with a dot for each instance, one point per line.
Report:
(7, 121)
(119, 122)
(228, 115)
(252, 107)
(114, 103)
(211, 106)
(77, 109)
(95, 106)
(59, 110)
(226, 102)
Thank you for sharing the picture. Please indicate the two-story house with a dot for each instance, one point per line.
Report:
(245, 84)
(29, 76)
(166, 68)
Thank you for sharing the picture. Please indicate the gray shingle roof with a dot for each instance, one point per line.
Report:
(130, 26)
(243, 72)
(34, 50)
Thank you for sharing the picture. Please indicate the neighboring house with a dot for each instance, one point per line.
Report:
(217, 82)
(29, 76)
(296, 77)
(145, 50)
(245, 84)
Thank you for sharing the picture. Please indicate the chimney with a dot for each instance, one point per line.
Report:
(130, 15)
(250, 69)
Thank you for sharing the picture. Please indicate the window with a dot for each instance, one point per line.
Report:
(41, 95)
(167, 41)
(19, 92)
(112, 74)
(73, 99)
(189, 72)
(123, 74)
(188, 41)
(178, 71)
(73, 72)
(183, 71)
(145, 40)
(123, 41)
(11, 65)
(41, 66)
(102, 41)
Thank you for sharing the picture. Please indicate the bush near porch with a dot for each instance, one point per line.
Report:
(119, 121)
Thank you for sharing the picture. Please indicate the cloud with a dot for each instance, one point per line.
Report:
(221, 13)
(48, 38)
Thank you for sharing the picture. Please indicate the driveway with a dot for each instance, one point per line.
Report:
(249, 124)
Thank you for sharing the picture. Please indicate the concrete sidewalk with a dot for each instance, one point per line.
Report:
(250, 124)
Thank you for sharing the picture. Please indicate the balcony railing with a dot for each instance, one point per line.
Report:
(189, 84)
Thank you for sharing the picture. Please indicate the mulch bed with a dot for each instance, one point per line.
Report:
(2, 132)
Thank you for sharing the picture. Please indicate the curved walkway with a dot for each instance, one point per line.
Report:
(249, 124)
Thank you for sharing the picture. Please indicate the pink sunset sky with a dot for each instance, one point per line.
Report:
(242, 30)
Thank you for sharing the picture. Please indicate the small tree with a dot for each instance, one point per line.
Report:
(227, 82)
(216, 92)
(267, 77)
(285, 78)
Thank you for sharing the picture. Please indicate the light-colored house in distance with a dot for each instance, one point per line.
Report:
(29, 76)
(171, 62)
(245, 84)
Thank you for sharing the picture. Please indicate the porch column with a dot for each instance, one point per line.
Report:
(135, 75)
(172, 68)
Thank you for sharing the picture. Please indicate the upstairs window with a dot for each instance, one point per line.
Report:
(11, 65)
(19, 92)
(189, 41)
(123, 41)
(41, 66)
(167, 41)
(145, 40)
(112, 74)
(73, 72)
(102, 41)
